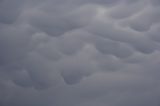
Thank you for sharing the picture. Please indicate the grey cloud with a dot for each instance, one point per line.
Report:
(146, 19)
(114, 48)
(58, 24)
(155, 2)
(128, 9)
(79, 53)
(109, 63)
(21, 78)
(14, 42)
(72, 70)
(122, 89)
(49, 51)
(154, 33)
(134, 39)
(41, 71)
(72, 42)
(10, 10)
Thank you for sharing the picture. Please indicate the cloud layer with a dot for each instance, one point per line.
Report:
(79, 52)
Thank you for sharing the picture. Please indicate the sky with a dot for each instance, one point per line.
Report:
(79, 52)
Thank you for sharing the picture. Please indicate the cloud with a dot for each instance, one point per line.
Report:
(10, 10)
(79, 53)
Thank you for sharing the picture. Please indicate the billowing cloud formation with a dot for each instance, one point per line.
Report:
(79, 52)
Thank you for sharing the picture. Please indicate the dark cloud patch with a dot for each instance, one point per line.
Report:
(14, 42)
(155, 2)
(10, 10)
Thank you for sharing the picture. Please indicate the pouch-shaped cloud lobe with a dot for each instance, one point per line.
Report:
(79, 53)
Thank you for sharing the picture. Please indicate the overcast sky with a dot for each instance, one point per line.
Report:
(79, 52)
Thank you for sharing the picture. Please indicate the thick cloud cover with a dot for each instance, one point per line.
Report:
(79, 52)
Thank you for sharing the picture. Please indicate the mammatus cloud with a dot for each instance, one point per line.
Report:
(79, 52)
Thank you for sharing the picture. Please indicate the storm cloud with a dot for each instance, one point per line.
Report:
(79, 52)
